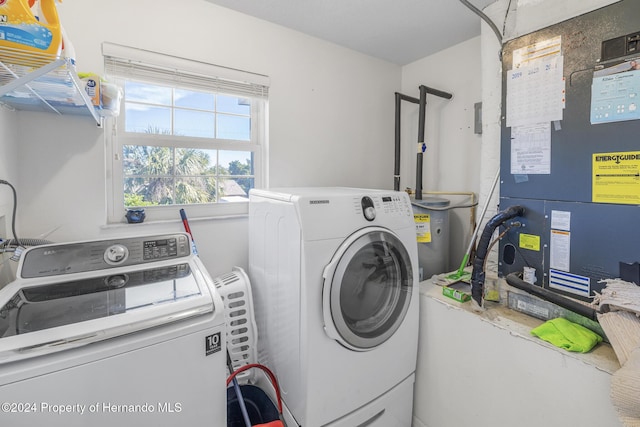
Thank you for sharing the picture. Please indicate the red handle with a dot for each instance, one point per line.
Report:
(272, 378)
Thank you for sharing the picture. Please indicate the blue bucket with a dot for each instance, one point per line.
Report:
(260, 408)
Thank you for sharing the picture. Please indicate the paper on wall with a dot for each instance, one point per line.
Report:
(535, 84)
(531, 149)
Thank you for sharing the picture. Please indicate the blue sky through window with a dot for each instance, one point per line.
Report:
(148, 109)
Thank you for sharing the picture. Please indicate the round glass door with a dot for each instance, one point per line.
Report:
(367, 289)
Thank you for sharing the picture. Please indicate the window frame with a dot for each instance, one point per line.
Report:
(116, 138)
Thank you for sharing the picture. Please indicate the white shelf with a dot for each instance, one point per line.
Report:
(38, 82)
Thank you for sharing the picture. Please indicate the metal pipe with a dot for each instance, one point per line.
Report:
(396, 172)
(436, 92)
(408, 98)
(396, 165)
(422, 113)
(424, 90)
(419, 166)
(420, 154)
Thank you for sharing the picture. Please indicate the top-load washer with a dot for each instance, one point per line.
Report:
(334, 273)
(127, 331)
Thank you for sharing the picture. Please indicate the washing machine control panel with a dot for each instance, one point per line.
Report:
(53, 260)
(394, 205)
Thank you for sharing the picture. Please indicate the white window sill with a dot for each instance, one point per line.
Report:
(171, 222)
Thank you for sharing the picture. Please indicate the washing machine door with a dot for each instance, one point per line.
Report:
(367, 289)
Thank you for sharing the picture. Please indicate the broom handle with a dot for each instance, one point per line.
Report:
(236, 387)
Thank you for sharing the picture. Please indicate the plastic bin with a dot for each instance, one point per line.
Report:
(260, 408)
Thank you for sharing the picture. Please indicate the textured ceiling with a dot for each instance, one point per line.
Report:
(398, 31)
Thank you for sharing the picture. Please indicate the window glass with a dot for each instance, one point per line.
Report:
(178, 141)
(197, 100)
(147, 119)
(147, 93)
(165, 176)
(232, 104)
(194, 123)
(233, 127)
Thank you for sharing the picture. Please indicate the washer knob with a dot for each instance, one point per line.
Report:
(116, 254)
(368, 210)
(117, 281)
(370, 213)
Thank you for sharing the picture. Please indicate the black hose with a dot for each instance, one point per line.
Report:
(26, 242)
(514, 280)
(15, 207)
(478, 274)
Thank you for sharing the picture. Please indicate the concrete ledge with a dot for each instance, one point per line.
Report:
(484, 368)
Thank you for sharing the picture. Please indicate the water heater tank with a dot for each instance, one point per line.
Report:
(431, 215)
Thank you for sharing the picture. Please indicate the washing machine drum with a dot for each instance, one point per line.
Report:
(367, 289)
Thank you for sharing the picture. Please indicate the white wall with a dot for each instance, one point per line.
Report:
(449, 135)
(451, 161)
(331, 116)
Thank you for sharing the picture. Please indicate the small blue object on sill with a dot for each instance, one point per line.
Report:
(135, 216)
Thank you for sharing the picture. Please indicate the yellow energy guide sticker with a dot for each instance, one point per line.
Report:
(423, 227)
(529, 241)
(616, 178)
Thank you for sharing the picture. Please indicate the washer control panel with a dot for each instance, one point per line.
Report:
(397, 204)
(53, 260)
(383, 206)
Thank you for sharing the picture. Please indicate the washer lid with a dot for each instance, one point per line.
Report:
(367, 289)
(39, 318)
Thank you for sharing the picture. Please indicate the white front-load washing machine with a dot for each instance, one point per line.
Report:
(334, 273)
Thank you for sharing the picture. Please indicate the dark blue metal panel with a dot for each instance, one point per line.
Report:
(601, 235)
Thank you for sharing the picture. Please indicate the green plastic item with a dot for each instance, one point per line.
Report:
(459, 291)
(460, 274)
(568, 335)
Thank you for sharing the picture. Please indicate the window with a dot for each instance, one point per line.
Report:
(188, 134)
